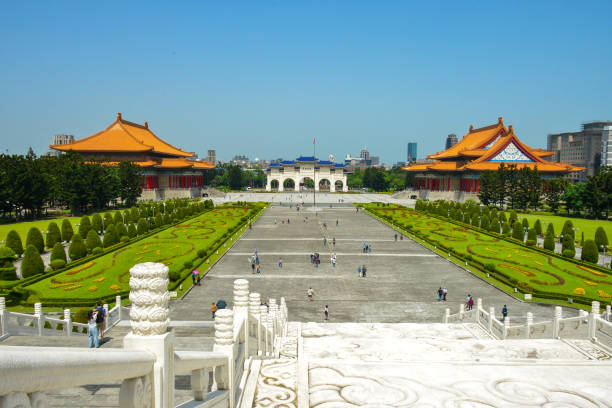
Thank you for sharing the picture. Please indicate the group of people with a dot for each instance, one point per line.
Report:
(362, 271)
(96, 319)
(310, 294)
(442, 292)
(401, 237)
(254, 260)
(367, 247)
(196, 278)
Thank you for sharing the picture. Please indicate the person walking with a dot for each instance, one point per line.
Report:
(363, 271)
(310, 293)
(444, 293)
(396, 237)
(326, 311)
(193, 278)
(334, 242)
(365, 247)
(470, 302)
(101, 320)
(258, 270)
(359, 271)
(92, 329)
(213, 310)
(336, 223)
(440, 292)
(280, 262)
(325, 242)
(370, 248)
(253, 265)
(504, 313)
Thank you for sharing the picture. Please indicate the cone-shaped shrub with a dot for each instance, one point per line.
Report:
(506, 229)
(525, 223)
(108, 220)
(85, 226)
(567, 243)
(118, 217)
(67, 231)
(532, 235)
(35, 238)
(167, 219)
(568, 229)
(96, 223)
(601, 239)
(132, 231)
(7, 270)
(494, 224)
(582, 239)
(517, 231)
(92, 241)
(484, 222)
(549, 240)
(110, 236)
(589, 251)
(159, 221)
(502, 217)
(513, 217)
(550, 229)
(77, 248)
(120, 230)
(13, 241)
(475, 220)
(32, 264)
(53, 235)
(142, 226)
(134, 215)
(538, 227)
(58, 252)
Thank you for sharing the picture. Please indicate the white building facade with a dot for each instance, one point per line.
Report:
(291, 175)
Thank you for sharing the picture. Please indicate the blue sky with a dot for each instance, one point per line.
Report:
(264, 78)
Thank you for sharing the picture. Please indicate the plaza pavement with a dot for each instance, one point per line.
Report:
(401, 283)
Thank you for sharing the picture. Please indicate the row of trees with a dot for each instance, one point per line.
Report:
(29, 183)
(524, 188)
(235, 177)
(379, 179)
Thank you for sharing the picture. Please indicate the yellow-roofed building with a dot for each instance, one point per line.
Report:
(168, 172)
(458, 168)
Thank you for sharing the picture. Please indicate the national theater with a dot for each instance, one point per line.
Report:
(168, 172)
(454, 173)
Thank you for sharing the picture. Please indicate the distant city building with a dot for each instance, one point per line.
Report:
(451, 140)
(60, 139)
(365, 154)
(606, 146)
(412, 153)
(588, 148)
(211, 157)
(241, 161)
(374, 161)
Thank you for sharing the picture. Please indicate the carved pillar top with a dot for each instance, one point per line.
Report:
(37, 309)
(2, 304)
(478, 303)
(529, 318)
(224, 327)
(66, 314)
(595, 307)
(558, 312)
(241, 294)
(149, 295)
(254, 303)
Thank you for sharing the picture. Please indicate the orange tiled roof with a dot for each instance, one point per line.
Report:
(181, 163)
(123, 136)
(474, 139)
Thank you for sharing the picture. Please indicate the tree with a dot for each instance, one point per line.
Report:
(494, 224)
(118, 218)
(598, 189)
(528, 187)
(77, 247)
(484, 222)
(130, 179)
(108, 219)
(96, 223)
(553, 192)
(53, 235)
(67, 230)
(92, 241)
(568, 229)
(110, 236)
(532, 236)
(488, 184)
(13, 241)
(538, 227)
(517, 231)
(551, 229)
(549, 239)
(601, 239)
(506, 229)
(58, 252)
(567, 245)
(235, 177)
(513, 217)
(32, 264)
(132, 231)
(84, 226)
(142, 227)
(525, 223)
(35, 238)
(7, 269)
(589, 251)
(120, 230)
(573, 197)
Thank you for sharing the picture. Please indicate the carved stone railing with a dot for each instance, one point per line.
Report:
(148, 363)
(586, 325)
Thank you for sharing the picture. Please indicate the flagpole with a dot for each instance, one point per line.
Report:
(314, 175)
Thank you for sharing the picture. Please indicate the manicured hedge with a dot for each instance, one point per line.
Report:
(32, 264)
(13, 241)
(35, 239)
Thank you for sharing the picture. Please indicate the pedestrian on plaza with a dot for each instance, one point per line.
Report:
(213, 310)
(310, 292)
(470, 302)
(92, 329)
(370, 248)
(258, 270)
(334, 242)
(312, 258)
(288, 222)
(440, 293)
(255, 251)
(326, 311)
(101, 320)
(504, 313)
(363, 271)
(199, 279)
(396, 237)
(280, 262)
(401, 237)
(250, 225)
(365, 247)
(325, 242)
(193, 278)
(359, 271)
(444, 293)
(253, 265)
(336, 223)
(275, 221)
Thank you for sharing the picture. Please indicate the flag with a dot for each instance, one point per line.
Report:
(313, 141)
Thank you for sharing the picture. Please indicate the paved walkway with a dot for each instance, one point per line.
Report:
(400, 286)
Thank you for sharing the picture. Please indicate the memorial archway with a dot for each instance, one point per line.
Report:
(338, 185)
(306, 183)
(289, 183)
(324, 185)
(274, 184)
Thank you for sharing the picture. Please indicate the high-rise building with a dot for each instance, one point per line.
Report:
(412, 152)
(451, 140)
(374, 161)
(61, 139)
(606, 145)
(365, 154)
(587, 148)
(211, 157)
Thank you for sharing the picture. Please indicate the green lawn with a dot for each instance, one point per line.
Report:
(109, 274)
(582, 225)
(22, 228)
(532, 269)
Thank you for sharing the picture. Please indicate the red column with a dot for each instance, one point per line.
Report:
(477, 186)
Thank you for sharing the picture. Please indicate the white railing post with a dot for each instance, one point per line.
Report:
(491, 317)
(446, 315)
(270, 317)
(105, 307)
(529, 323)
(254, 303)
(461, 311)
(608, 312)
(40, 318)
(273, 313)
(506, 326)
(478, 309)
(593, 320)
(283, 315)
(150, 318)
(67, 322)
(3, 317)
(556, 321)
(263, 328)
(241, 308)
(118, 306)
(224, 343)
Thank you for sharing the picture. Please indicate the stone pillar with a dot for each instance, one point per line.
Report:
(556, 321)
(105, 306)
(593, 320)
(150, 320)
(608, 312)
(3, 317)
(461, 311)
(40, 318)
(263, 329)
(67, 322)
(273, 312)
(478, 309)
(254, 303)
(224, 343)
(529, 323)
(491, 317)
(506, 326)
(284, 315)
(272, 330)
(446, 314)
(118, 304)
(241, 296)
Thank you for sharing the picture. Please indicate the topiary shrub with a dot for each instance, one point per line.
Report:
(57, 264)
(589, 251)
(513, 217)
(525, 223)
(13, 241)
(532, 235)
(110, 236)
(201, 253)
(188, 264)
(132, 231)
(518, 232)
(174, 276)
(567, 242)
(568, 229)
(7, 270)
(84, 226)
(538, 227)
(92, 241)
(550, 229)
(484, 222)
(96, 223)
(601, 239)
(81, 315)
(159, 220)
(77, 248)
(549, 240)
(96, 251)
(67, 231)
(490, 267)
(120, 230)
(142, 227)
(53, 235)
(506, 229)
(582, 239)
(568, 253)
(531, 242)
(118, 218)
(124, 238)
(58, 252)
(35, 239)
(108, 220)
(32, 264)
